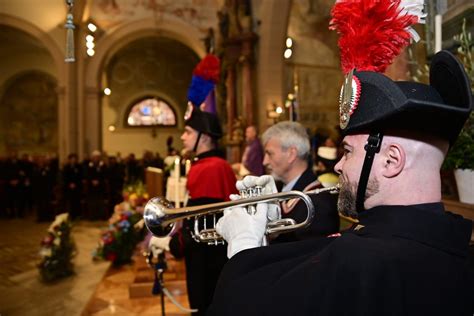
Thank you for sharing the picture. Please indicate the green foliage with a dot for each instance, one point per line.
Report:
(461, 154)
(465, 51)
(57, 251)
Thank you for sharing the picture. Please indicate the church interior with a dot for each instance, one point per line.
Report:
(104, 84)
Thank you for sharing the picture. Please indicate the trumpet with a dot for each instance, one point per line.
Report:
(160, 217)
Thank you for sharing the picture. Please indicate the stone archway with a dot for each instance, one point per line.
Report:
(43, 38)
(152, 66)
(28, 113)
(90, 121)
(56, 68)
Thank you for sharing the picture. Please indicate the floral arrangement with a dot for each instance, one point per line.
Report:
(117, 243)
(57, 250)
(135, 195)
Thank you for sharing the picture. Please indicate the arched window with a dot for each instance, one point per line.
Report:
(151, 112)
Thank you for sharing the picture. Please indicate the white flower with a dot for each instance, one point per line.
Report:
(57, 221)
(45, 252)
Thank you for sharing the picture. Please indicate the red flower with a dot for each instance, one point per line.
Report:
(48, 240)
(111, 256)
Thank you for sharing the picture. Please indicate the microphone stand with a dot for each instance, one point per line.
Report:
(159, 287)
(159, 267)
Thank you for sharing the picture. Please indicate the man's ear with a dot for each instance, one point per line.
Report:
(394, 160)
(292, 154)
(206, 139)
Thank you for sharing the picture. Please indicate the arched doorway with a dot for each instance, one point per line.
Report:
(96, 107)
(155, 66)
(28, 94)
(28, 114)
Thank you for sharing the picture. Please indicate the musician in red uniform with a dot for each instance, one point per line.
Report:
(210, 180)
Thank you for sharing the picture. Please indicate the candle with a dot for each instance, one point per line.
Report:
(188, 166)
(176, 184)
(438, 32)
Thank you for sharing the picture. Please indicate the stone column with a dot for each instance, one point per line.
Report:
(247, 82)
(232, 143)
(63, 124)
(231, 102)
(67, 113)
(91, 133)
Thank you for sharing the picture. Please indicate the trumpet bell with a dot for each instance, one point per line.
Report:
(155, 216)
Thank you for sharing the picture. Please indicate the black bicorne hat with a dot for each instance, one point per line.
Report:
(372, 33)
(203, 122)
(440, 108)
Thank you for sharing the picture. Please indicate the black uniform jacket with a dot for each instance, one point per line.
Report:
(326, 218)
(399, 260)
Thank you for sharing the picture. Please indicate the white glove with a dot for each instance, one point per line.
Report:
(268, 187)
(242, 230)
(159, 244)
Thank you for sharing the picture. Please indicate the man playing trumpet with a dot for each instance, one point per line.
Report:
(406, 255)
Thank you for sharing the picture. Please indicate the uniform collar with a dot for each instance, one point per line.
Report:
(428, 224)
(210, 153)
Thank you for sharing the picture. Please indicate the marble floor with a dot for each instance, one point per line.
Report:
(127, 291)
(96, 288)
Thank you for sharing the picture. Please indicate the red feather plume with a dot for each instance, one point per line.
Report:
(372, 33)
(208, 68)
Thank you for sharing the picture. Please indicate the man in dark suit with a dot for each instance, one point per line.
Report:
(95, 176)
(72, 185)
(287, 149)
(43, 189)
(14, 176)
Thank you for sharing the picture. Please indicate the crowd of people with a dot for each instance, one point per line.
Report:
(87, 189)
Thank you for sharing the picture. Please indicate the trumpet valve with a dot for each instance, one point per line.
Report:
(251, 192)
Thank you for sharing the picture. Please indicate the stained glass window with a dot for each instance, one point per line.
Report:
(151, 112)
